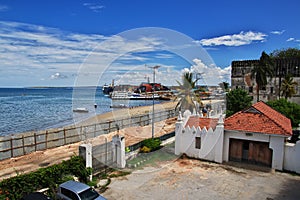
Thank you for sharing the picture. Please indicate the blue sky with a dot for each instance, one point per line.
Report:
(59, 43)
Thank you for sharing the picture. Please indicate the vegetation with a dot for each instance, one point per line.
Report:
(237, 100)
(286, 53)
(154, 158)
(150, 144)
(187, 94)
(289, 109)
(225, 86)
(260, 72)
(288, 87)
(49, 177)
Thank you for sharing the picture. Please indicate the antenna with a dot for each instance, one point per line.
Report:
(154, 68)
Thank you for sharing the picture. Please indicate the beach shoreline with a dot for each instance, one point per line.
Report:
(32, 161)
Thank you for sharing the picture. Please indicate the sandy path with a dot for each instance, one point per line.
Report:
(30, 162)
(195, 179)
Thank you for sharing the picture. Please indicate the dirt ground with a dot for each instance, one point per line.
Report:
(194, 179)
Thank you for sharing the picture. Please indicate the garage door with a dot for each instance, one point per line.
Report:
(250, 152)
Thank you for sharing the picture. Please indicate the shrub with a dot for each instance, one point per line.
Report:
(48, 177)
(145, 149)
(152, 143)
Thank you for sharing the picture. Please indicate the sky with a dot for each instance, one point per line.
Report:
(91, 42)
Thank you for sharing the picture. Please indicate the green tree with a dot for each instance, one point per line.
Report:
(186, 95)
(288, 87)
(289, 109)
(286, 53)
(237, 100)
(261, 71)
(225, 86)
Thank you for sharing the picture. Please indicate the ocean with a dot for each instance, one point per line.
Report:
(34, 109)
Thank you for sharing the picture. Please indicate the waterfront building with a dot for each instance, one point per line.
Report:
(241, 78)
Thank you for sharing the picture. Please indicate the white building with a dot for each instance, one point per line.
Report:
(255, 135)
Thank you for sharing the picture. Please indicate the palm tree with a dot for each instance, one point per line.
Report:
(288, 87)
(261, 71)
(186, 93)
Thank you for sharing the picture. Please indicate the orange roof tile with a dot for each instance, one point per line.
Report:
(259, 118)
(202, 122)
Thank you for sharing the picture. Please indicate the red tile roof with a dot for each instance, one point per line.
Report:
(202, 122)
(259, 118)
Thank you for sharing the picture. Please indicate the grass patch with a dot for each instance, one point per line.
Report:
(152, 158)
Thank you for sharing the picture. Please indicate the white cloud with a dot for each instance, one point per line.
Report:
(293, 40)
(3, 8)
(43, 51)
(37, 55)
(95, 7)
(290, 39)
(209, 75)
(242, 38)
(278, 32)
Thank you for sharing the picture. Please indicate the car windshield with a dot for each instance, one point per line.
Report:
(89, 194)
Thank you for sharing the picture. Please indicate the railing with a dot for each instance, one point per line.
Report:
(21, 144)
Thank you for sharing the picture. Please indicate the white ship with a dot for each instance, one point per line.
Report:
(123, 95)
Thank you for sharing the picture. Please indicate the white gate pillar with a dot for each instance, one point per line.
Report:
(85, 151)
(118, 146)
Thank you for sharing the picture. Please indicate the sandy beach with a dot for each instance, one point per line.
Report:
(30, 162)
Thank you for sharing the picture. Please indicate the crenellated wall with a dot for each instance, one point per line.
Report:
(211, 145)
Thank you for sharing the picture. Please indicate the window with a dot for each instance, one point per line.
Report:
(250, 89)
(198, 142)
(69, 194)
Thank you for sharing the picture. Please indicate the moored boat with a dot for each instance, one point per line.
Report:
(81, 110)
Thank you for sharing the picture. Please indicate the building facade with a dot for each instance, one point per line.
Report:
(257, 135)
(241, 78)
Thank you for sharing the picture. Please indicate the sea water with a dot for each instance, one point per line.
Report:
(34, 109)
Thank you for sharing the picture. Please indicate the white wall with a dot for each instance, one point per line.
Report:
(211, 141)
(292, 157)
(276, 143)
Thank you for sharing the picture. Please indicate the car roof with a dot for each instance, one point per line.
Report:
(74, 186)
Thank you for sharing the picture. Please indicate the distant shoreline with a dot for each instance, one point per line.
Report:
(107, 116)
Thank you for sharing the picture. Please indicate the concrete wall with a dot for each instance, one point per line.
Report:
(276, 143)
(291, 160)
(211, 140)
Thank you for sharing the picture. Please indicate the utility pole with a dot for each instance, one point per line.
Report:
(154, 68)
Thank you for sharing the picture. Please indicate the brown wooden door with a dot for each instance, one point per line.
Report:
(235, 150)
(261, 153)
(250, 151)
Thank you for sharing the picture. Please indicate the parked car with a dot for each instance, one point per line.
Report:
(73, 190)
(36, 196)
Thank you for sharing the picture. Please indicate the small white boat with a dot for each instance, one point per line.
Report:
(83, 110)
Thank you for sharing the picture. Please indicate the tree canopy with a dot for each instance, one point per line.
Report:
(288, 87)
(261, 71)
(187, 94)
(237, 100)
(289, 109)
(286, 53)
